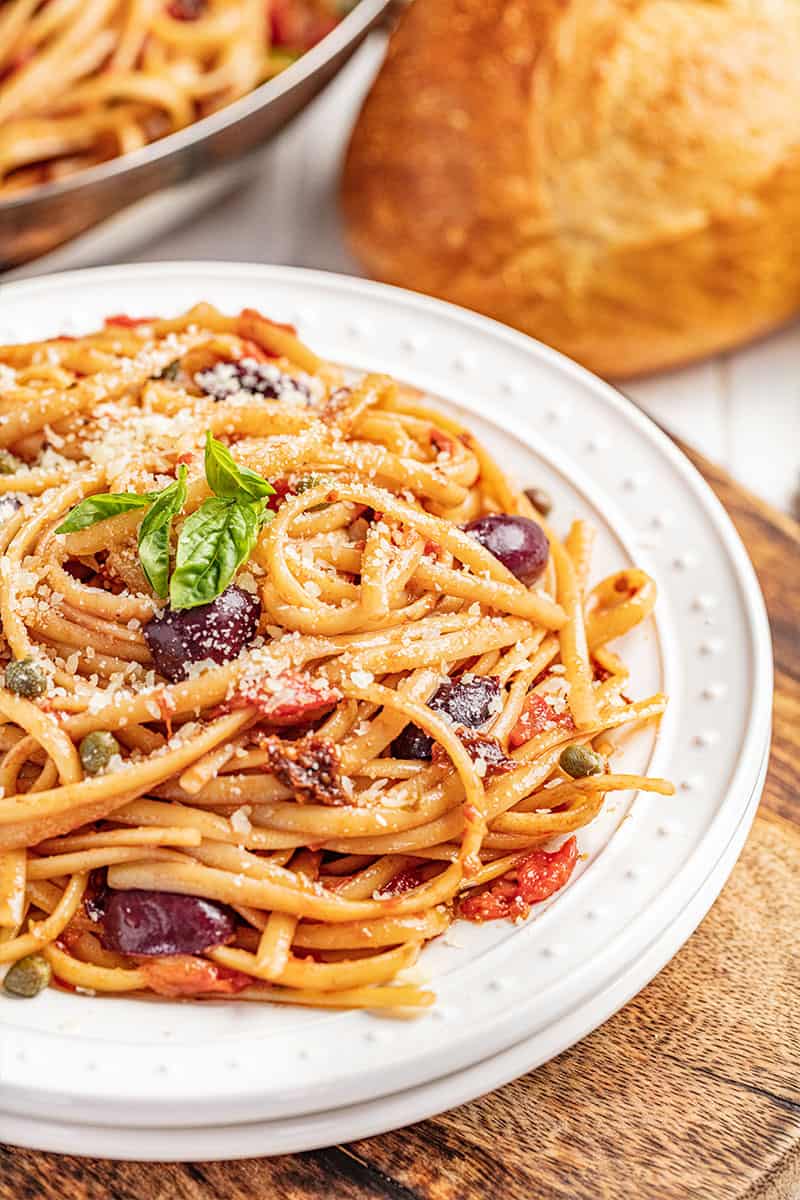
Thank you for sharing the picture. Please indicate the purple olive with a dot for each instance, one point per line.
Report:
(143, 922)
(218, 631)
(518, 542)
(468, 701)
(249, 375)
(9, 504)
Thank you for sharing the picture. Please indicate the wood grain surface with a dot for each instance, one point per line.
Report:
(691, 1091)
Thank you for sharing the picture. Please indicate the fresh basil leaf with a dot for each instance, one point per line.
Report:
(154, 533)
(213, 544)
(227, 479)
(264, 514)
(100, 508)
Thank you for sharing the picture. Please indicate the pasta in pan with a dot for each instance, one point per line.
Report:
(82, 81)
(295, 676)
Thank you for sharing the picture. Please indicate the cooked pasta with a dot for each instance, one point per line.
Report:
(294, 674)
(82, 81)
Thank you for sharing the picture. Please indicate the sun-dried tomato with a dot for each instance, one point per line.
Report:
(309, 766)
(482, 748)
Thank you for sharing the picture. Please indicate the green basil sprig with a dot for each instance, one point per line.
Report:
(215, 540)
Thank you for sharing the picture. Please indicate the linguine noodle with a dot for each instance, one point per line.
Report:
(308, 783)
(82, 81)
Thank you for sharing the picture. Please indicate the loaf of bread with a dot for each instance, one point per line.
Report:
(619, 178)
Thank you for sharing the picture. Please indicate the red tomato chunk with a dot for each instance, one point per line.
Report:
(540, 875)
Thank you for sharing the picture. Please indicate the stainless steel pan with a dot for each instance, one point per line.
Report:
(44, 217)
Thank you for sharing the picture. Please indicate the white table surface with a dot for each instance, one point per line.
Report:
(740, 409)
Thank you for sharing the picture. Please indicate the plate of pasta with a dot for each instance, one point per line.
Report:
(383, 697)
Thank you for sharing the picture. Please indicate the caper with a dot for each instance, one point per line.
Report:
(541, 500)
(170, 371)
(25, 678)
(96, 751)
(9, 463)
(309, 482)
(28, 976)
(579, 761)
(306, 484)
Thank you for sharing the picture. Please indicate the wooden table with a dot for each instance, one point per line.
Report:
(692, 1090)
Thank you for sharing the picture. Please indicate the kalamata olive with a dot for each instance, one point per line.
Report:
(24, 677)
(218, 631)
(518, 542)
(249, 375)
(541, 500)
(9, 504)
(145, 922)
(469, 701)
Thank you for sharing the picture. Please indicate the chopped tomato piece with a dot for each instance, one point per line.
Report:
(441, 441)
(251, 349)
(404, 881)
(288, 698)
(295, 27)
(282, 489)
(536, 717)
(253, 313)
(187, 975)
(186, 10)
(540, 875)
(126, 322)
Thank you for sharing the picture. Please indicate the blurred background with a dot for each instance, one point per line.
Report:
(267, 187)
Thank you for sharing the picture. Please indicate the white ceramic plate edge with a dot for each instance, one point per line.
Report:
(368, 1119)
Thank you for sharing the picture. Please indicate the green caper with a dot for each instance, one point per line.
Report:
(579, 761)
(9, 463)
(96, 751)
(541, 500)
(309, 482)
(25, 678)
(28, 976)
(170, 371)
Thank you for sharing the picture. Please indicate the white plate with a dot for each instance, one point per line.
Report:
(654, 865)
(266, 1138)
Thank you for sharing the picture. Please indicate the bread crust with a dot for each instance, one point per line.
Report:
(619, 178)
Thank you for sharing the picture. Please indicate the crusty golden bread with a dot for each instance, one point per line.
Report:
(620, 178)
